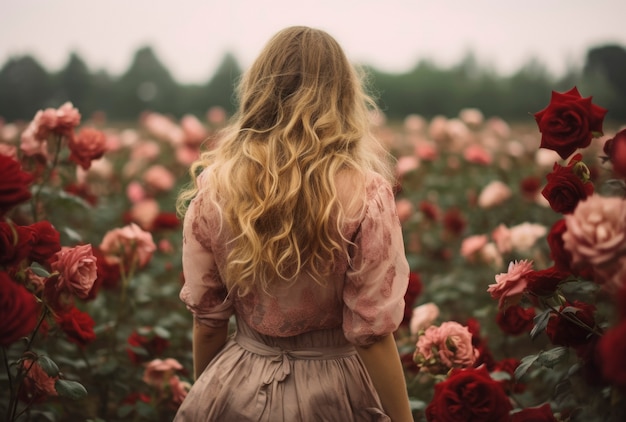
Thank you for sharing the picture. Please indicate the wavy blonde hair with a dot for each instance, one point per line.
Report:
(303, 118)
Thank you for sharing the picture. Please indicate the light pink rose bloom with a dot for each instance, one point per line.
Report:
(414, 123)
(596, 231)
(179, 389)
(216, 116)
(437, 129)
(477, 154)
(164, 128)
(490, 255)
(8, 150)
(77, 269)
(495, 193)
(445, 347)
(404, 209)
(501, 235)
(426, 151)
(37, 383)
(158, 372)
(498, 127)
(472, 117)
(130, 244)
(88, 145)
(194, 130)
(165, 246)
(135, 192)
(472, 245)
(145, 150)
(68, 118)
(186, 155)
(159, 178)
(9, 132)
(145, 212)
(31, 145)
(524, 236)
(423, 317)
(405, 165)
(510, 286)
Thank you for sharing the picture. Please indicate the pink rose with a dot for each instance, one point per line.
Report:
(37, 385)
(423, 317)
(501, 235)
(445, 347)
(426, 151)
(524, 236)
(30, 145)
(216, 115)
(495, 193)
(77, 270)
(159, 178)
(510, 286)
(472, 245)
(179, 389)
(135, 192)
(194, 130)
(405, 210)
(596, 231)
(130, 244)
(406, 165)
(477, 154)
(90, 144)
(158, 371)
(145, 212)
(61, 121)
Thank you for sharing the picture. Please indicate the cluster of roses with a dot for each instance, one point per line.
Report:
(41, 280)
(588, 243)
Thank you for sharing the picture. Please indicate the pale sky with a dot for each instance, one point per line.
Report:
(191, 36)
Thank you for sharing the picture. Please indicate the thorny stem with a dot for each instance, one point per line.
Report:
(574, 319)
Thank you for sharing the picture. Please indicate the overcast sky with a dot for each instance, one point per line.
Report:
(191, 36)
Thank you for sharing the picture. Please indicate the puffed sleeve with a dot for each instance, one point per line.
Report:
(203, 291)
(375, 285)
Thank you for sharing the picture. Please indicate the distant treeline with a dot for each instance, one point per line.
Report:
(26, 86)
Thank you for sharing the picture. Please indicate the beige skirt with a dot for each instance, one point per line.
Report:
(315, 376)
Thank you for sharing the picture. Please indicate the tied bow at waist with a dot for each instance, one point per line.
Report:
(281, 357)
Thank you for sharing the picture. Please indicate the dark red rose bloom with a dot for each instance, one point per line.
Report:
(468, 395)
(412, 293)
(567, 186)
(133, 398)
(563, 258)
(15, 243)
(534, 414)
(77, 326)
(429, 210)
(509, 366)
(485, 357)
(14, 183)
(166, 220)
(108, 274)
(454, 222)
(515, 320)
(563, 332)
(529, 186)
(19, 310)
(148, 340)
(46, 241)
(615, 149)
(612, 349)
(569, 122)
(82, 191)
(545, 282)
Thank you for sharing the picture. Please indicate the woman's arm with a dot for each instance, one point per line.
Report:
(383, 365)
(207, 341)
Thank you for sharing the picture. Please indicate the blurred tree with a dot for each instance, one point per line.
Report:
(146, 85)
(220, 90)
(605, 76)
(25, 87)
(75, 84)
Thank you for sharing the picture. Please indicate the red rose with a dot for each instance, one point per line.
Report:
(454, 222)
(166, 220)
(77, 325)
(468, 395)
(615, 149)
(612, 349)
(149, 341)
(515, 320)
(529, 186)
(545, 282)
(562, 331)
(567, 186)
(108, 274)
(569, 122)
(15, 243)
(508, 366)
(13, 184)
(413, 291)
(19, 310)
(534, 414)
(46, 241)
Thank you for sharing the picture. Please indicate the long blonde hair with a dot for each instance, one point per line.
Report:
(303, 118)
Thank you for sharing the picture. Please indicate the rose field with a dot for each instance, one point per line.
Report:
(515, 233)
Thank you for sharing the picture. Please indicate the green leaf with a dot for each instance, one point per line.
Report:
(161, 332)
(541, 322)
(525, 363)
(551, 357)
(39, 270)
(48, 366)
(70, 389)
